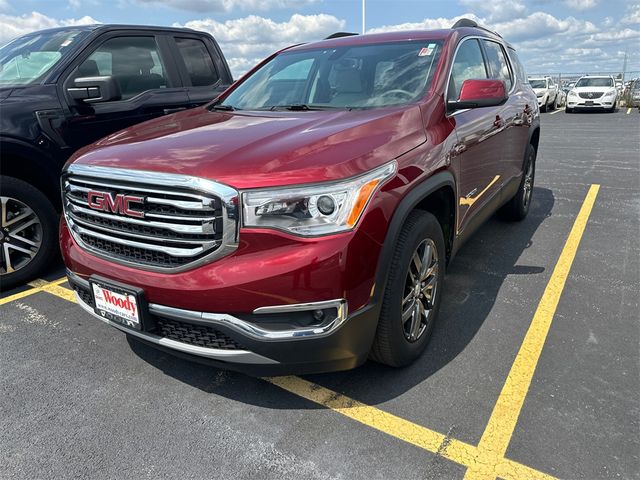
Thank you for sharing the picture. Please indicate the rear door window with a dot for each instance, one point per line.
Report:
(198, 61)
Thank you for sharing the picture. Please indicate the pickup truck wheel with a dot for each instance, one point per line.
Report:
(27, 232)
(412, 297)
(517, 208)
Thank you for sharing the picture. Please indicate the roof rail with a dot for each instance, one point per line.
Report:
(340, 34)
(467, 22)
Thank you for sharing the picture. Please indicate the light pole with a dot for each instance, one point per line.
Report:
(363, 15)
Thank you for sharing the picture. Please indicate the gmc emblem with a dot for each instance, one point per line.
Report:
(119, 204)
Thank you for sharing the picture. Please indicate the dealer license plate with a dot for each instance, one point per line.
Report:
(116, 303)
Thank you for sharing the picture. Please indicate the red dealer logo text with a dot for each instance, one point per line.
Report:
(119, 203)
(119, 302)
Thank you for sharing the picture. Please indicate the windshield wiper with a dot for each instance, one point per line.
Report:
(224, 108)
(302, 107)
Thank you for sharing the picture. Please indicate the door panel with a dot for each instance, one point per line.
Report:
(477, 160)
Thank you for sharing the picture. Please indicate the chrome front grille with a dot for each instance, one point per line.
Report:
(156, 221)
(590, 95)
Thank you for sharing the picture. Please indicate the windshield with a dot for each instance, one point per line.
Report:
(538, 83)
(26, 59)
(595, 82)
(358, 76)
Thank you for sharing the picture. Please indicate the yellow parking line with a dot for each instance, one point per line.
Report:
(556, 111)
(421, 437)
(628, 110)
(497, 435)
(37, 286)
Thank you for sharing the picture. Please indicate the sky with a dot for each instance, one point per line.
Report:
(551, 36)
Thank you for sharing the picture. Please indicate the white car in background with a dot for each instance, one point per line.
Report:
(593, 93)
(547, 92)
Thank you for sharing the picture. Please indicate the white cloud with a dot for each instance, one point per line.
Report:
(632, 15)
(12, 26)
(549, 44)
(581, 5)
(247, 40)
(225, 5)
(497, 10)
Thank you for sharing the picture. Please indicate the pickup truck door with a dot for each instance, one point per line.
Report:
(201, 66)
(145, 71)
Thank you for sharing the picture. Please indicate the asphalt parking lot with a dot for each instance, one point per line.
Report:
(532, 372)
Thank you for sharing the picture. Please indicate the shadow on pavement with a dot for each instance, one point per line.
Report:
(472, 284)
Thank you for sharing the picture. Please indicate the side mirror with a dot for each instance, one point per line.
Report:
(480, 93)
(95, 89)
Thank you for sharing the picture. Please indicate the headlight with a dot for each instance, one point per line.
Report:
(314, 209)
(573, 93)
(540, 94)
(608, 93)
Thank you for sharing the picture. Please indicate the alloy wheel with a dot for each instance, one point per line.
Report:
(528, 185)
(421, 288)
(20, 235)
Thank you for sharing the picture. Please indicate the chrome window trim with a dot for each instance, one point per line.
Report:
(230, 200)
(455, 54)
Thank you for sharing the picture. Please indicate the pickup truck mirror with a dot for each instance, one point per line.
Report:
(95, 89)
(480, 93)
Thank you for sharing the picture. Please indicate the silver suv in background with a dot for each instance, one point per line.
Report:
(593, 93)
(547, 92)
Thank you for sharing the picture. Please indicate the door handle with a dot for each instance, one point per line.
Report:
(167, 111)
(497, 122)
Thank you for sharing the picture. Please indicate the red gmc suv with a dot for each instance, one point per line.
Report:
(302, 222)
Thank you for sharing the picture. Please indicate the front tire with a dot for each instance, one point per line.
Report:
(28, 233)
(517, 208)
(568, 110)
(411, 299)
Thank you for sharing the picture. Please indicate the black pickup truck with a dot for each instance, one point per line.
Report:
(64, 88)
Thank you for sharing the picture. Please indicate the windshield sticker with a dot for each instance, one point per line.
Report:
(426, 51)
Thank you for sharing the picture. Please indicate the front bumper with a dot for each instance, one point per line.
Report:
(597, 104)
(268, 342)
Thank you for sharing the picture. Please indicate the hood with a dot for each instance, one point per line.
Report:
(540, 90)
(593, 89)
(260, 149)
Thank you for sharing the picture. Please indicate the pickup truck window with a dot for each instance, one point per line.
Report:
(499, 68)
(468, 64)
(353, 76)
(198, 61)
(133, 61)
(27, 59)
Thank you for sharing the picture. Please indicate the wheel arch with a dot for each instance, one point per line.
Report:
(435, 195)
(27, 163)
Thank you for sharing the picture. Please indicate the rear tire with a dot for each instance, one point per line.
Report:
(411, 299)
(28, 232)
(517, 208)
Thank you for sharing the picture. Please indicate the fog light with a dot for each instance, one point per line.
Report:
(318, 315)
